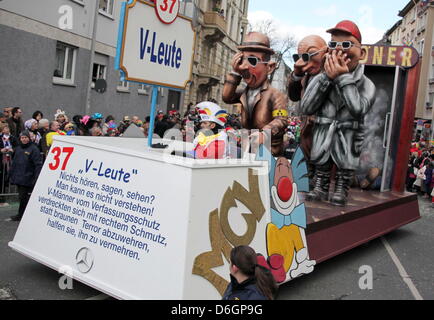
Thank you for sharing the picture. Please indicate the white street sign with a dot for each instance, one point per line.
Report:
(154, 52)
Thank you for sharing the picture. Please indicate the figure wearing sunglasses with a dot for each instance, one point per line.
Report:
(263, 107)
(340, 98)
(307, 63)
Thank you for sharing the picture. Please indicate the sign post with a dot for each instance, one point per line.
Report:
(155, 47)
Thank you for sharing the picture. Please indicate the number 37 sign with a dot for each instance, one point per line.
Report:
(156, 44)
(167, 10)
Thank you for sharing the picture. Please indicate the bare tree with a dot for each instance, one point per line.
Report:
(283, 46)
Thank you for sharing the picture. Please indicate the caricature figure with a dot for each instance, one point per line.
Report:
(340, 97)
(263, 107)
(287, 249)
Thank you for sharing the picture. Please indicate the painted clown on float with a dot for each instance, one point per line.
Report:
(287, 251)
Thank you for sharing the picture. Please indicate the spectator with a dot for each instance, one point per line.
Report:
(7, 145)
(249, 281)
(109, 123)
(125, 123)
(32, 126)
(26, 166)
(96, 131)
(54, 131)
(61, 118)
(15, 122)
(37, 115)
(70, 129)
(7, 112)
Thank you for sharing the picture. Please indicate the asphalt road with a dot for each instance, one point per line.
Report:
(336, 279)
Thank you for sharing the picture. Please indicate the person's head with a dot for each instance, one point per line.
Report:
(109, 119)
(346, 37)
(16, 113)
(31, 125)
(212, 117)
(310, 56)
(7, 112)
(54, 126)
(69, 127)
(97, 117)
(256, 64)
(96, 131)
(44, 124)
(60, 116)
(126, 120)
(160, 115)
(6, 130)
(25, 137)
(244, 266)
(37, 115)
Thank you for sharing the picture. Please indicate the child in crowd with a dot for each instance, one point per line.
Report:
(249, 281)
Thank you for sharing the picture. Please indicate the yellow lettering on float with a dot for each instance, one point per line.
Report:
(407, 54)
(367, 48)
(391, 60)
(378, 55)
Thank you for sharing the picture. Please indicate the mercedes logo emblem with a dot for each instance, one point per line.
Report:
(84, 260)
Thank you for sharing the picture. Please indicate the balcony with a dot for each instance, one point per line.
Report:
(209, 77)
(214, 27)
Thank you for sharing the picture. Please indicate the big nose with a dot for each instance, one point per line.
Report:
(245, 64)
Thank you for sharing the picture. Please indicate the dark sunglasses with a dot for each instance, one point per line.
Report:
(344, 44)
(254, 61)
(305, 56)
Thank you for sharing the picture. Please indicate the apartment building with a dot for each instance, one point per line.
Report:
(416, 28)
(45, 57)
(220, 27)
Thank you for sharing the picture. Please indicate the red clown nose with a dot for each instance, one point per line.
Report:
(284, 189)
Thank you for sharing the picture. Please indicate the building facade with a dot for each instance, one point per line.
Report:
(45, 57)
(220, 26)
(416, 28)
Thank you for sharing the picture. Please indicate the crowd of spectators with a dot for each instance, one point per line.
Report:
(420, 176)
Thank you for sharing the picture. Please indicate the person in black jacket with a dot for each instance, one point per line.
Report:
(26, 166)
(249, 281)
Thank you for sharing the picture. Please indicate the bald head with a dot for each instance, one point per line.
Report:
(316, 47)
(311, 41)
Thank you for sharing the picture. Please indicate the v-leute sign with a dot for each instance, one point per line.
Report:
(156, 45)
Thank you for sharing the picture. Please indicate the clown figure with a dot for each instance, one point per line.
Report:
(287, 249)
(212, 140)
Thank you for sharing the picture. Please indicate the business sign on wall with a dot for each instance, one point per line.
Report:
(391, 56)
(156, 44)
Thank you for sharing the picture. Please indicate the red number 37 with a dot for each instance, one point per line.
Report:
(56, 159)
(165, 6)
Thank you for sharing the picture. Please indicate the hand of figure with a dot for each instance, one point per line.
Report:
(336, 64)
(236, 62)
(298, 70)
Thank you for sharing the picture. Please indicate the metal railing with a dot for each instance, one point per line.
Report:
(6, 189)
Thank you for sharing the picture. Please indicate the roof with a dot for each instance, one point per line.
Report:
(407, 8)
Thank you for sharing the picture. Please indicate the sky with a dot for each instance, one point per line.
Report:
(303, 17)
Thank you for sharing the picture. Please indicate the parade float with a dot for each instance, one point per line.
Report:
(139, 222)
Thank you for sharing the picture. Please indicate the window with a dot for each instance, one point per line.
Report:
(106, 7)
(65, 64)
(99, 72)
(421, 47)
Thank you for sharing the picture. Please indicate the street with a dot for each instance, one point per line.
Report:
(337, 279)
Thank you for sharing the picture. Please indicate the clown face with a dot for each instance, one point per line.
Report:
(254, 69)
(284, 191)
